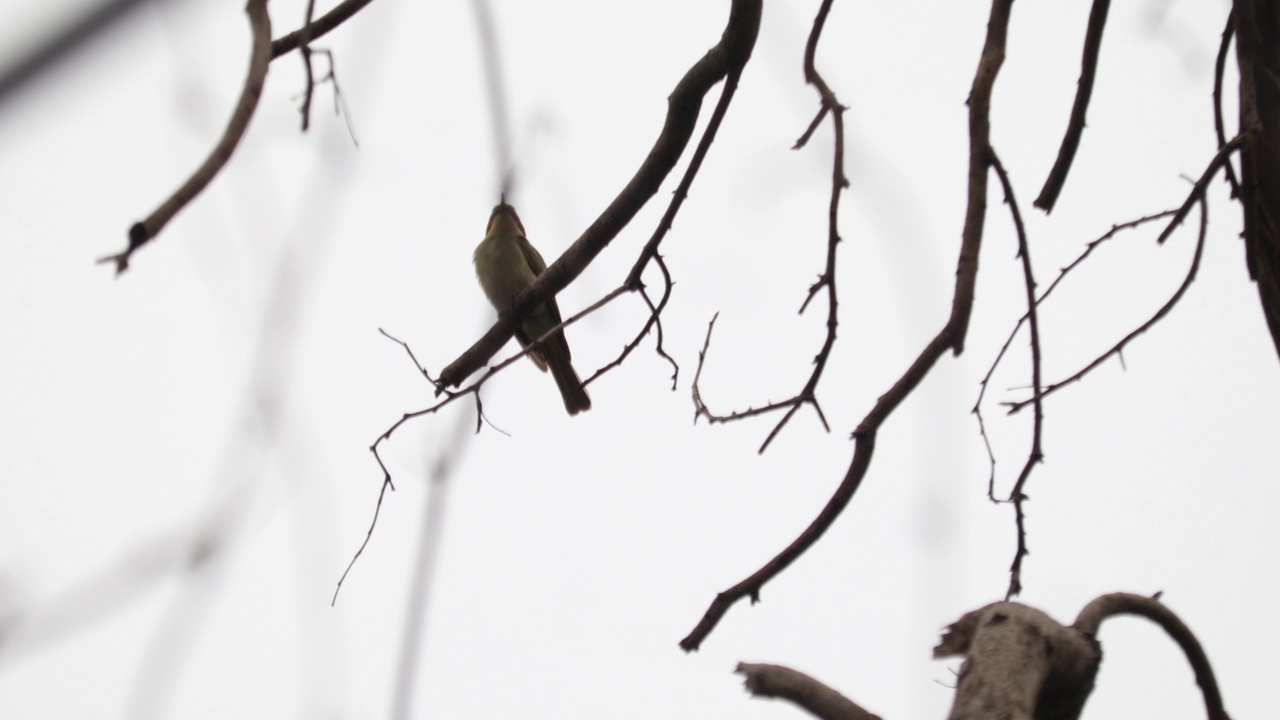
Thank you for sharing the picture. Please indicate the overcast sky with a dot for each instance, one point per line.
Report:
(218, 401)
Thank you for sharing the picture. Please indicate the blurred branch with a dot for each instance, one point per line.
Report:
(776, 681)
(315, 30)
(63, 43)
(728, 56)
(490, 53)
(951, 336)
(143, 232)
(828, 104)
(1084, 91)
(1090, 622)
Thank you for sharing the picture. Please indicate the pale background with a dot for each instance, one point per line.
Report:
(229, 385)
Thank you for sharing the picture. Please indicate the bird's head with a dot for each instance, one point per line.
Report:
(504, 221)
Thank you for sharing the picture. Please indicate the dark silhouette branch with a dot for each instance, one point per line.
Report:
(143, 232)
(1084, 91)
(1017, 496)
(829, 104)
(1197, 194)
(1219, 126)
(950, 337)
(728, 56)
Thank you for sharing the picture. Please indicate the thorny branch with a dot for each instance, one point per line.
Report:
(1197, 195)
(1036, 455)
(1062, 274)
(829, 104)
(950, 337)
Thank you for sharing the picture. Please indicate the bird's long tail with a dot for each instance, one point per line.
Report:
(571, 390)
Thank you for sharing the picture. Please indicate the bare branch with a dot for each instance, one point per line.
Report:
(951, 336)
(1075, 126)
(1090, 621)
(1196, 195)
(1219, 68)
(1036, 455)
(729, 56)
(305, 48)
(777, 681)
(143, 232)
(314, 31)
(829, 104)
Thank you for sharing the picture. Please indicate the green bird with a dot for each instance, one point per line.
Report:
(506, 264)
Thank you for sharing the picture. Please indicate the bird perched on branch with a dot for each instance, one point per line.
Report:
(506, 264)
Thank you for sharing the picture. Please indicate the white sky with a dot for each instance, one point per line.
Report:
(234, 378)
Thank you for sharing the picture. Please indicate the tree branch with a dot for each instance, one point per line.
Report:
(777, 681)
(951, 336)
(143, 232)
(1084, 91)
(315, 30)
(1113, 604)
(684, 103)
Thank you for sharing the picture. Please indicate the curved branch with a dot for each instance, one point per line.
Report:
(729, 55)
(951, 336)
(260, 57)
(1110, 605)
(1084, 91)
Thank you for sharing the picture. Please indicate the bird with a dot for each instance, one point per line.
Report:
(507, 263)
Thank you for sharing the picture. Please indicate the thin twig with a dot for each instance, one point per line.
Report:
(829, 104)
(304, 46)
(1017, 496)
(985, 383)
(1219, 126)
(1197, 195)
